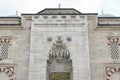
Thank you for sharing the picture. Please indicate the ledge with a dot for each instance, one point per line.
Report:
(108, 24)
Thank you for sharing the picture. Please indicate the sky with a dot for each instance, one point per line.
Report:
(10, 7)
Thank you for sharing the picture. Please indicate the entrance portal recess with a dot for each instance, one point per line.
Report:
(59, 64)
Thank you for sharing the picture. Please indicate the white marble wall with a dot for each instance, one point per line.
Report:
(40, 46)
(18, 54)
(100, 53)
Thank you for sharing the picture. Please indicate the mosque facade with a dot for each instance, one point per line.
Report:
(60, 44)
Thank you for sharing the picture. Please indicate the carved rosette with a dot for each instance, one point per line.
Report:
(59, 64)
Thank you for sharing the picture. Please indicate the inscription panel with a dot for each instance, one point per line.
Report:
(60, 76)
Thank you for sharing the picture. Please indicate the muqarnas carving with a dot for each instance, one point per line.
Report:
(9, 71)
(59, 64)
(4, 47)
(59, 50)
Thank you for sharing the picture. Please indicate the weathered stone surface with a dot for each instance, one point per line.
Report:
(86, 36)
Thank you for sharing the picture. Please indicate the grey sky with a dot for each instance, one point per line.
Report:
(9, 7)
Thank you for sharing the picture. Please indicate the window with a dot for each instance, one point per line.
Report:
(4, 48)
(114, 47)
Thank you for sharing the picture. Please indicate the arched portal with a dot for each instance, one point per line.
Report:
(59, 65)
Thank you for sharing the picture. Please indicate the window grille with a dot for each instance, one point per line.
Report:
(4, 48)
(114, 47)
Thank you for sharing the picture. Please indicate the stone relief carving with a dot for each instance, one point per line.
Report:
(69, 39)
(5, 40)
(59, 50)
(114, 40)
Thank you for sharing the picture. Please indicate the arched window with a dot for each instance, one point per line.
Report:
(114, 47)
(4, 47)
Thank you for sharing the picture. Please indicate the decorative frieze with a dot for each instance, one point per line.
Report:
(62, 17)
(59, 19)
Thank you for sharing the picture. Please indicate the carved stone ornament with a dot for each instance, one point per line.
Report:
(114, 40)
(59, 50)
(110, 71)
(59, 64)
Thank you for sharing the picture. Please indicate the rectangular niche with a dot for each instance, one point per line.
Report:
(60, 76)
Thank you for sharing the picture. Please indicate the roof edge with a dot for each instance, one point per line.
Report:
(42, 12)
(58, 9)
(10, 17)
(61, 14)
(108, 17)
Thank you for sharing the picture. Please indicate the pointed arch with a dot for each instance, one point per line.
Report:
(8, 71)
(110, 71)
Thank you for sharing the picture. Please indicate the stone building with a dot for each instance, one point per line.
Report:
(60, 44)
